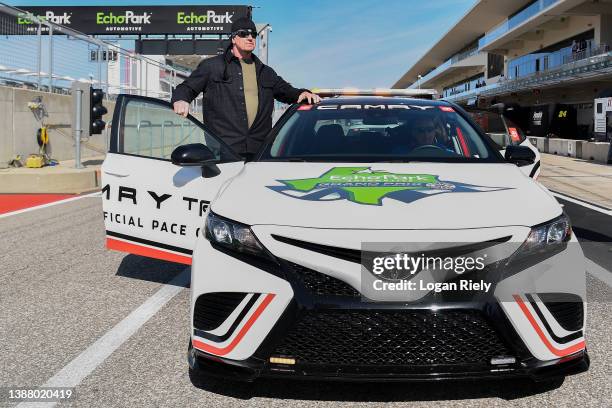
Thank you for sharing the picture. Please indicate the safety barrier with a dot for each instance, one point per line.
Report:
(580, 149)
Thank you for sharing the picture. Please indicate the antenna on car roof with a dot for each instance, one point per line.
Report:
(410, 93)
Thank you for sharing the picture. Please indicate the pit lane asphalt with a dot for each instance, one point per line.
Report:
(62, 291)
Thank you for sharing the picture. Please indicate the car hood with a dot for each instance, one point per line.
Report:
(385, 196)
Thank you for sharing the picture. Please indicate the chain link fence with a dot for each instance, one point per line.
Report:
(41, 55)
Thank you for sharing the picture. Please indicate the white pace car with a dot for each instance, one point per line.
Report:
(286, 250)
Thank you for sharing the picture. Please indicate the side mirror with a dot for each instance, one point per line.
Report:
(196, 154)
(519, 155)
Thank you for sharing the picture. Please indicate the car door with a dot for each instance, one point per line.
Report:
(517, 137)
(152, 207)
(504, 132)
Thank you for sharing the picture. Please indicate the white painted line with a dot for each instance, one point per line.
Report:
(599, 272)
(582, 203)
(85, 363)
(38, 207)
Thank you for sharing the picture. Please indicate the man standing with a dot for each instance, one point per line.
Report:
(239, 92)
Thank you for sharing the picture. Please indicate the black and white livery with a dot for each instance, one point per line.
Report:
(277, 246)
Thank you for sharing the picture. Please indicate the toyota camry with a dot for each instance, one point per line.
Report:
(375, 236)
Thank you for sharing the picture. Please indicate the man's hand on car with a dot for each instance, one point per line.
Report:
(181, 108)
(312, 98)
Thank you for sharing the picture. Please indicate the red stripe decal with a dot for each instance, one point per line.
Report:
(463, 143)
(146, 251)
(225, 350)
(557, 352)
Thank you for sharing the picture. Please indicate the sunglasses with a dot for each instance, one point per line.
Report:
(246, 33)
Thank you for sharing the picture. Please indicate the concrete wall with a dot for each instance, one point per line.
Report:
(541, 143)
(566, 147)
(6, 126)
(596, 151)
(18, 126)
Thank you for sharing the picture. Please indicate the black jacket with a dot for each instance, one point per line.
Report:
(224, 108)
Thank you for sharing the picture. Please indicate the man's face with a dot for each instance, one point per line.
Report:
(246, 43)
(424, 131)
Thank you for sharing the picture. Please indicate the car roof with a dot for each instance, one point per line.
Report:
(377, 100)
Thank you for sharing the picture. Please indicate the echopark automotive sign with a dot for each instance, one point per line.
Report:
(138, 19)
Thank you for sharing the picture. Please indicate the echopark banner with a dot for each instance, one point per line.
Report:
(137, 19)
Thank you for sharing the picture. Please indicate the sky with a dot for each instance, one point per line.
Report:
(336, 43)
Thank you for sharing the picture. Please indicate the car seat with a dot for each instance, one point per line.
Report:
(329, 139)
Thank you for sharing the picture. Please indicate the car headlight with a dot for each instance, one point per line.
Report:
(232, 235)
(548, 235)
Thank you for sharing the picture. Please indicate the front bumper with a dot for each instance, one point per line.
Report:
(206, 365)
(328, 330)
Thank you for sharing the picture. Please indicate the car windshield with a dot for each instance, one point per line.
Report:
(376, 133)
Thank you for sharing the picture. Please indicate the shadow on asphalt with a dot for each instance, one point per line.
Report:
(149, 269)
(591, 235)
(377, 392)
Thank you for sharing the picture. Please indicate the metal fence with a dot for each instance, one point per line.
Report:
(537, 63)
(41, 55)
(594, 67)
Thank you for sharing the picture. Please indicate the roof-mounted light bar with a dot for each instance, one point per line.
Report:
(409, 93)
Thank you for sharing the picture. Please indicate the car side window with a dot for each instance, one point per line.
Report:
(516, 134)
(152, 129)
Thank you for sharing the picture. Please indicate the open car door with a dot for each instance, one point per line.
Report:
(517, 137)
(504, 133)
(152, 207)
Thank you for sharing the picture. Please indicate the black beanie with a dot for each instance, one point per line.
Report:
(243, 23)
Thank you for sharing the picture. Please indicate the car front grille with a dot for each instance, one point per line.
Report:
(356, 255)
(321, 284)
(212, 309)
(566, 308)
(392, 338)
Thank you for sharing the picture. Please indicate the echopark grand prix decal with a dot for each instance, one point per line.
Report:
(362, 185)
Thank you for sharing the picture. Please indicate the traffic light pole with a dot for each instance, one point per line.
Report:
(88, 111)
(78, 129)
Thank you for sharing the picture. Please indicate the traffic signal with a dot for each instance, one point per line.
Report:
(97, 110)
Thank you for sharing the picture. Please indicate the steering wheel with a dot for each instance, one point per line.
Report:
(427, 147)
